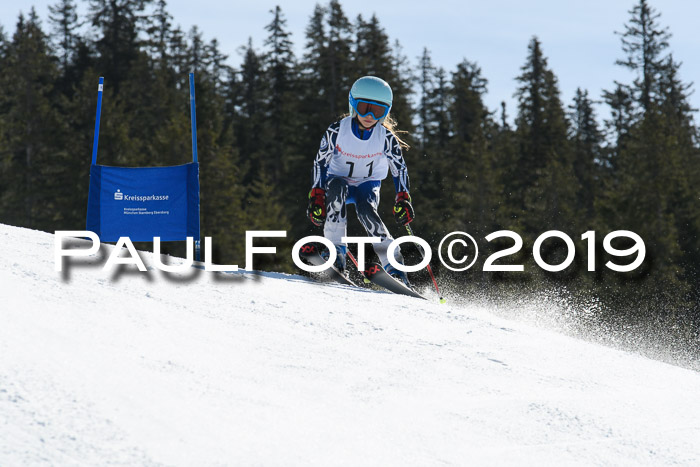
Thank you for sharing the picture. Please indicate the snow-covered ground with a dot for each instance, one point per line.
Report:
(241, 369)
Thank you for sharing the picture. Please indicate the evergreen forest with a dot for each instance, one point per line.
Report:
(553, 165)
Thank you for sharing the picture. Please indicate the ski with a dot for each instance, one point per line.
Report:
(310, 254)
(377, 275)
(374, 273)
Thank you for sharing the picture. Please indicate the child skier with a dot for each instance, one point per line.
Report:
(356, 154)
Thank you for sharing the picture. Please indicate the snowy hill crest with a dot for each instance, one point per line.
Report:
(278, 370)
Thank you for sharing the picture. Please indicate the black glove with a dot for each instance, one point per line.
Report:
(317, 206)
(403, 210)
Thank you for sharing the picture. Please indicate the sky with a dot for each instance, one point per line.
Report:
(578, 38)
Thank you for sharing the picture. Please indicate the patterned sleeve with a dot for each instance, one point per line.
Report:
(397, 164)
(323, 156)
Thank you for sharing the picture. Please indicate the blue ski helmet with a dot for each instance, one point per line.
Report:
(372, 89)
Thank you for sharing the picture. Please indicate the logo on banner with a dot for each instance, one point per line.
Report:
(131, 209)
(119, 196)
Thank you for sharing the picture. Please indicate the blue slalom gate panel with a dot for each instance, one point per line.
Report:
(144, 202)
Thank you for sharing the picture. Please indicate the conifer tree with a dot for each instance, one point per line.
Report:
(288, 166)
(337, 58)
(401, 79)
(196, 50)
(280, 71)
(74, 51)
(426, 162)
(681, 160)
(373, 55)
(644, 43)
(159, 34)
(438, 111)
(372, 51)
(31, 129)
(119, 23)
(216, 64)
(650, 195)
(546, 185)
(586, 140)
(251, 105)
(426, 84)
(64, 19)
(73, 159)
(475, 175)
(266, 212)
(326, 66)
(622, 116)
(312, 81)
(223, 215)
(504, 147)
(179, 52)
(4, 104)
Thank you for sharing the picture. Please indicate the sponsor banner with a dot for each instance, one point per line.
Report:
(144, 202)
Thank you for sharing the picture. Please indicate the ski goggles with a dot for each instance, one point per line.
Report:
(364, 108)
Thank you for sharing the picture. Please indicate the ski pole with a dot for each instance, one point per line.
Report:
(430, 270)
(352, 257)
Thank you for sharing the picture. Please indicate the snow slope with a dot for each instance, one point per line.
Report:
(271, 369)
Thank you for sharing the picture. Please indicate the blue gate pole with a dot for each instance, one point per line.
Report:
(96, 138)
(193, 118)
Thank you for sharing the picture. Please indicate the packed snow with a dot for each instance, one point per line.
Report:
(131, 368)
